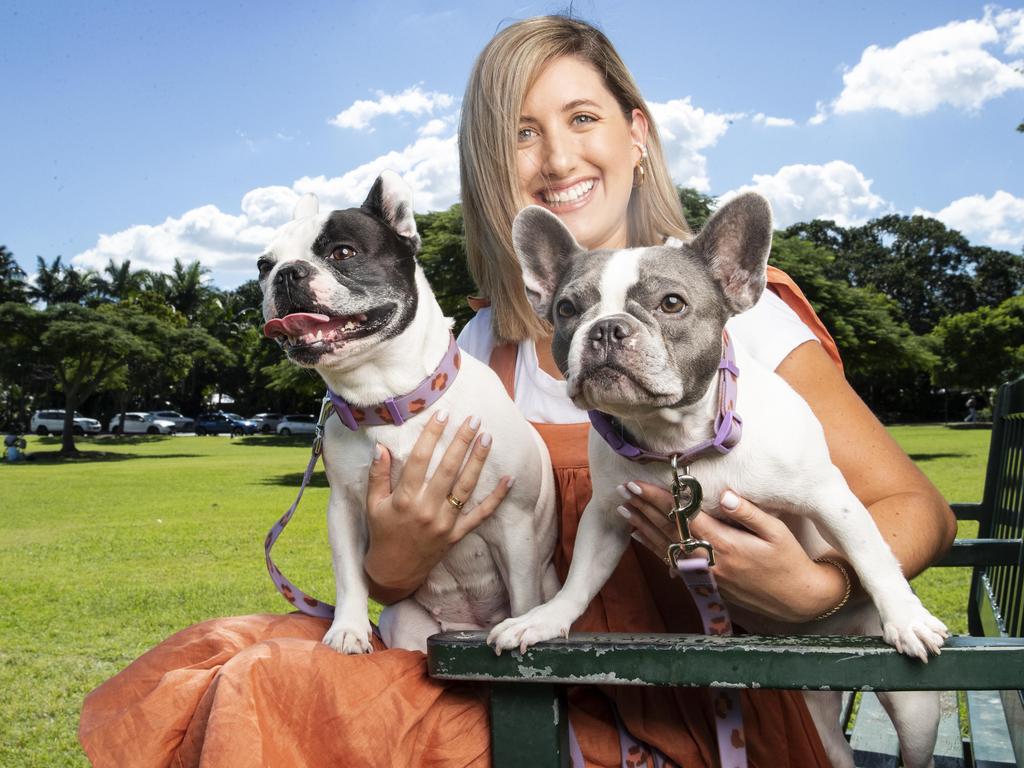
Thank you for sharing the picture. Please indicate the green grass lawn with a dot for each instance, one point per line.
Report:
(105, 556)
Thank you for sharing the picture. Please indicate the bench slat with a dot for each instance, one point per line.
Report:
(846, 663)
(990, 737)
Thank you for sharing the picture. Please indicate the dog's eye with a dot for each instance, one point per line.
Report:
(264, 265)
(672, 304)
(343, 252)
(565, 308)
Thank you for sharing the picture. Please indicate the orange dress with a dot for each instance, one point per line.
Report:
(263, 690)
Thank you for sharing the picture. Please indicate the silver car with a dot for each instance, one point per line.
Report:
(297, 424)
(181, 423)
(45, 422)
(141, 423)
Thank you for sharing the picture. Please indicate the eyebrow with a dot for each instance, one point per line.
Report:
(567, 107)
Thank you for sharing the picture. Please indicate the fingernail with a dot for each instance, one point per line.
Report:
(474, 422)
(730, 501)
(635, 489)
(624, 512)
(635, 535)
(510, 482)
(377, 452)
(485, 439)
(624, 493)
(441, 416)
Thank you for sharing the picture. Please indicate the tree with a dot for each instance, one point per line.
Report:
(443, 257)
(12, 279)
(120, 281)
(979, 350)
(697, 207)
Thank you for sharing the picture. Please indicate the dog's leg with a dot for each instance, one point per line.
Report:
(915, 715)
(826, 708)
(407, 624)
(600, 542)
(846, 524)
(350, 630)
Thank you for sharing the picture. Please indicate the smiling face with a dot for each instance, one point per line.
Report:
(576, 152)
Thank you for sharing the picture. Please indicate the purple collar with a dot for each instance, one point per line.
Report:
(398, 410)
(728, 424)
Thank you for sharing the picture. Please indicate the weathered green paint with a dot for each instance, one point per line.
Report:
(529, 726)
(847, 663)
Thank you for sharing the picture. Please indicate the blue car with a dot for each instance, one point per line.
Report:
(230, 423)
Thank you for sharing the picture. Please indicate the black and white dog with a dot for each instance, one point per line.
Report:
(344, 294)
(638, 336)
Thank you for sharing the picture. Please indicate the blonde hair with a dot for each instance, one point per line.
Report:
(501, 77)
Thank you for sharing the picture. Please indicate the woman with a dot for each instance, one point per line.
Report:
(550, 117)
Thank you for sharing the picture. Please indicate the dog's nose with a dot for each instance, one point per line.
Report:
(292, 273)
(610, 330)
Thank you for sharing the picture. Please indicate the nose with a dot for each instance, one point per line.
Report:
(609, 331)
(292, 273)
(559, 155)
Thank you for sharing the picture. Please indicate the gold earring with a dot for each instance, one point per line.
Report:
(640, 170)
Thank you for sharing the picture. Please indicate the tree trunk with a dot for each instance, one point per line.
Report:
(67, 438)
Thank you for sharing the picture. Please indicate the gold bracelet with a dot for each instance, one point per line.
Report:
(846, 595)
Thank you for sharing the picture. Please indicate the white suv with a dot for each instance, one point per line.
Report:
(45, 422)
(139, 423)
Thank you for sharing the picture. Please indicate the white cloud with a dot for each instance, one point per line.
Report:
(685, 131)
(412, 100)
(946, 65)
(773, 122)
(229, 244)
(433, 127)
(835, 190)
(996, 221)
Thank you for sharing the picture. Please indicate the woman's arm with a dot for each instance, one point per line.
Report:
(911, 514)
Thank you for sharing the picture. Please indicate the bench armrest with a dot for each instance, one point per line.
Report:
(845, 663)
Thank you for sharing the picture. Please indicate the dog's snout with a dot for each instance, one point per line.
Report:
(610, 330)
(292, 273)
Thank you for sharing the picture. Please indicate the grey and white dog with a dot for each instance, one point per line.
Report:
(638, 335)
(355, 305)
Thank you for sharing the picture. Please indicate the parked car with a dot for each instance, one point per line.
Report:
(181, 423)
(142, 423)
(297, 424)
(267, 422)
(230, 423)
(45, 422)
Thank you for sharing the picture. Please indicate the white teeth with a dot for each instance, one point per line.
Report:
(569, 195)
(319, 334)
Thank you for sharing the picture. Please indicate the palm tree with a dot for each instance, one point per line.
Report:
(12, 279)
(59, 284)
(186, 290)
(121, 281)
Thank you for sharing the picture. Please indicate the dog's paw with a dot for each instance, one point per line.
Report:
(345, 638)
(536, 626)
(914, 632)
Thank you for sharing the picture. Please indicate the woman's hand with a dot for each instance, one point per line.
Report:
(759, 564)
(413, 525)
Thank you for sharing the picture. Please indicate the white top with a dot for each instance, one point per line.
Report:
(769, 331)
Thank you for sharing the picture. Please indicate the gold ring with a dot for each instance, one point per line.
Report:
(455, 502)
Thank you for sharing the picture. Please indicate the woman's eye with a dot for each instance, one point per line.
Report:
(580, 119)
(343, 252)
(672, 304)
(525, 134)
(565, 309)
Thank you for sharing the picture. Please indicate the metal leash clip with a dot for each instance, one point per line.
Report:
(682, 511)
(325, 411)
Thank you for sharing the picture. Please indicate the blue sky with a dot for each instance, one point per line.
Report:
(152, 131)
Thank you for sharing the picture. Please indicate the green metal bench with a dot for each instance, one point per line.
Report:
(528, 717)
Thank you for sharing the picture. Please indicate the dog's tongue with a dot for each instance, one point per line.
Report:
(295, 324)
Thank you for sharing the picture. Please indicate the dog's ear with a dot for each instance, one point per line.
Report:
(390, 199)
(544, 246)
(308, 205)
(735, 243)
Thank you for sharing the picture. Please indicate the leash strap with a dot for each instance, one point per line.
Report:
(305, 603)
(725, 702)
